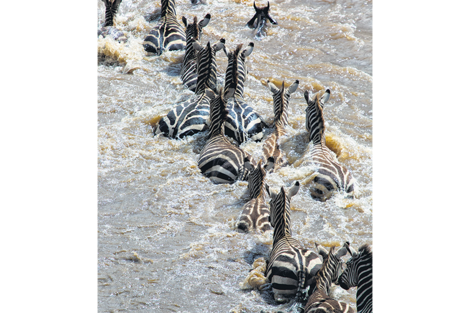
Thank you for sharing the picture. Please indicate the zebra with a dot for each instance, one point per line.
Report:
(291, 268)
(220, 160)
(280, 105)
(168, 34)
(329, 175)
(358, 273)
(189, 71)
(258, 21)
(255, 213)
(243, 122)
(190, 117)
(109, 29)
(320, 301)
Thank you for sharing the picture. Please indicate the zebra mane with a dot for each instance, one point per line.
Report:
(168, 8)
(112, 6)
(230, 75)
(315, 122)
(280, 211)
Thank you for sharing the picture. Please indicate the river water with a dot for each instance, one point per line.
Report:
(166, 238)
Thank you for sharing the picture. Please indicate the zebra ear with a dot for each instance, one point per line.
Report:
(210, 93)
(325, 97)
(270, 164)
(272, 87)
(229, 93)
(306, 96)
(197, 46)
(294, 189)
(343, 251)
(185, 22)
(248, 166)
(205, 21)
(220, 45)
(322, 251)
(294, 86)
(351, 250)
(248, 50)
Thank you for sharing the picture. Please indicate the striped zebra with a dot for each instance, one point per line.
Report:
(191, 116)
(168, 34)
(358, 273)
(258, 21)
(320, 301)
(243, 121)
(255, 213)
(109, 28)
(291, 269)
(280, 105)
(220, 160)
(193, 31)
(330, 175)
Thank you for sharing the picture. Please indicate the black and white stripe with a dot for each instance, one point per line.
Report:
(280, 106)
(193, 33)
(109, 28)
(255, 213)
(258, 21)
(243, 121)
(168, 34)
(291, 268)
(358, 273)
(220, 160)
(191, 116)
(329, 175)
(320, 301)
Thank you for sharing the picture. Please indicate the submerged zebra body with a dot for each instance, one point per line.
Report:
(220, 160)
(280, 105)
(330, 175)
(291, 269)
(193, 32)
(358, 273)
(320, 301)
(109, 29)
(243, 121)
(255, 213)
(258, 21)
(168, 34)
(191, 116)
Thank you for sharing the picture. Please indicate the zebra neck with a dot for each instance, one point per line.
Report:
(281, 104)
(257, 187)
(206, 71)
(218, 115)
(325, 274)
(168, 8)
(111, 10)
(282, 220)
(239, 60)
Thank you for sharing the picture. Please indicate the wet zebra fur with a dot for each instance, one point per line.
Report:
(168, 34)
(330, 175)
(109, 28)
(320, 301)
(243, 121)
(191, 116)
(220, 160)
(280, 106)
(255, 213)
(258, 21)
(193, 32)
(358, 273)
(291, 269)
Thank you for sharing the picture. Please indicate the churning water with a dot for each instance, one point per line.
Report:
(166, 234)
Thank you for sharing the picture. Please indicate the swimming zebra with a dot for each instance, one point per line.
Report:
(258, 21)
(190, 117)
(280, 105)
(291, 269)
(358, 273)
(255, 213)
(320, 301)
(168, 34)
(109, 29)
(193, 31)
(243, 121)
(220, 160)
(330, 174)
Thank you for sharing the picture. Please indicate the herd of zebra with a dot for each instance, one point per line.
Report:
(292, 271)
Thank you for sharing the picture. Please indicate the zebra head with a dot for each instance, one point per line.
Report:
(236, 58)
(112, 6)
(332, 266)
(194, 29)
(281, 101)
(279, 216)
(206, 65)
(256, 177)
(258, 21)
(314, 121)
(194, 2)
(350, 276)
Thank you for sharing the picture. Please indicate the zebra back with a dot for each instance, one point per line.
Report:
(206, 65)
(358, 273)
(168, 34)
(112, 6)
(193, 32)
